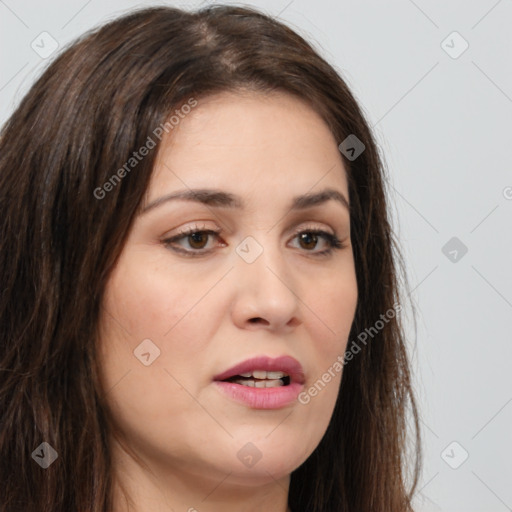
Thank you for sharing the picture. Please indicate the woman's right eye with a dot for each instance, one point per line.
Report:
(196, 240)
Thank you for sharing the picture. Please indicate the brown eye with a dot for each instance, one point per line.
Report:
(308, 238)
(198, 239)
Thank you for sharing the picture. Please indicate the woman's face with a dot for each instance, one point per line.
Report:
(177, 314)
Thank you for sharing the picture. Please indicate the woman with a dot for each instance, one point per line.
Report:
(233, 348)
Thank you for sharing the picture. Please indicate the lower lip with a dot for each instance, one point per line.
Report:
(261, 398)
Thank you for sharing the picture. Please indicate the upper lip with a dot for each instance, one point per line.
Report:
(286, 364)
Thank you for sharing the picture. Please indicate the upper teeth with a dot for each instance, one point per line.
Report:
(262, 374)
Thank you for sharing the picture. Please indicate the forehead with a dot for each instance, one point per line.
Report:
(249, 142)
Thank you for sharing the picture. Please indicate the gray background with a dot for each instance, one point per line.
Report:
(442, 121)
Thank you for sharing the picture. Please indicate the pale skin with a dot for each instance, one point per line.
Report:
(210, 312)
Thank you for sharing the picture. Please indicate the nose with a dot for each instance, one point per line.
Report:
(264, 292)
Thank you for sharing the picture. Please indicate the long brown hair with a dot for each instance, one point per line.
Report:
(94, 105)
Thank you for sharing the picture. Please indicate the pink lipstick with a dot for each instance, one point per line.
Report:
(263, 382)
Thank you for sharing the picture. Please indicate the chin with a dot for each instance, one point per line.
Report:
(273, 462)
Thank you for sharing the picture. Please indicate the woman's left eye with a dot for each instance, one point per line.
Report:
(197, 238)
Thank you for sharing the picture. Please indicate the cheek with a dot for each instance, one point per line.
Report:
(144, 301)
(336, 309)
(151, 299)
(150, 309)
(148, 312)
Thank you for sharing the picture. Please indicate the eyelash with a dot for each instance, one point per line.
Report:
(332, 240)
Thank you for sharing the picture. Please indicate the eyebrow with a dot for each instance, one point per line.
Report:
(221, 199)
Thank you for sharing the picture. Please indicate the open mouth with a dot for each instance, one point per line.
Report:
(263, 382)
(261, 379)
